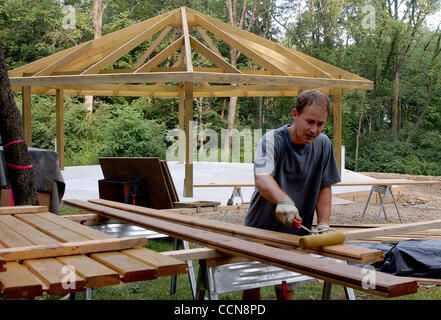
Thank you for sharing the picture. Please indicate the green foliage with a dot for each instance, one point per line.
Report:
(129, 135)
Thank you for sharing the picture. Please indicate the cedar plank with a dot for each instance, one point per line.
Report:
(279, 239)
(350, 276)
(131, 269)
(17, 282)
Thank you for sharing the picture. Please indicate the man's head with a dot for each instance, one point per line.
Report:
(309, 114)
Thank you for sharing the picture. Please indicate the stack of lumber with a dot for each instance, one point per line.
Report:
(44, 253)
(233, 242)
(393, 233)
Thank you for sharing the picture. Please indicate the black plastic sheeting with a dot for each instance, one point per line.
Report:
(410, 258)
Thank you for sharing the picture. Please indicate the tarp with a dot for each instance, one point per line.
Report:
(420, 258)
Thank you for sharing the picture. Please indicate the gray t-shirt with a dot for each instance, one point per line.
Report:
(300, 170)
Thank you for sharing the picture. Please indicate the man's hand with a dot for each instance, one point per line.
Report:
(323, 227)
(286, 211)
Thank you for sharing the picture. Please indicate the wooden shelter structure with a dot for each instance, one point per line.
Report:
(167, 47)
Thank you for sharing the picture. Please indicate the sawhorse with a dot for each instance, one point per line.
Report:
(382, 190)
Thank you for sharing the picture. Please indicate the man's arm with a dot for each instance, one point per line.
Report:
(323, 207)
(269, 188)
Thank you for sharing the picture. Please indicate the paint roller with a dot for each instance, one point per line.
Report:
(317, 238)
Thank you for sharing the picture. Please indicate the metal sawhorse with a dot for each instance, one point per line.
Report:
(248, 275)
(382, 190)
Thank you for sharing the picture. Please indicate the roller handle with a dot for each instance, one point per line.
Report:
(297, 223)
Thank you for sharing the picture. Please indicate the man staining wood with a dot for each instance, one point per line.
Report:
(20, 172)
(294, 169)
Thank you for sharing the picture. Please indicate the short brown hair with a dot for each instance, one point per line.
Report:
(308, 97)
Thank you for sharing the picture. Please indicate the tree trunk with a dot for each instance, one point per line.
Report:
(420, 118)
(97, 23)
(16, 154)
(358, 140)
(395, 102)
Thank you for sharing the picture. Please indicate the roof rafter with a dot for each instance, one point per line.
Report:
(187, 47)
(237, 45)
(152, 47)
(128, 46)
(160, 57)
(212, 56)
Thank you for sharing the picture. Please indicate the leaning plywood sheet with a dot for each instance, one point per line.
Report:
(278, 239)
(346, 275)
(140, 168)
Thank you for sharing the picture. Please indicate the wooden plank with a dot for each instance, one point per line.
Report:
(130, 269)
(160, 57)
(55, 276)
(338, 123)
(50, 228)
(10, 238)
(189, 147)
(361, 255)
(26, 114)
(384, 182)
(169, 180)
(17, 282)
(208, 40)
(59, 111)
(152, 47)
(212, 56)
(187, 47)
(75, 227)
(71, 248)
(165, 265)
(211, 77)
(95, 274)
(346, 275)
(392, 230)
(140, 168)
(132, 43)
(26, 231)
(238, 45)
(23, 209)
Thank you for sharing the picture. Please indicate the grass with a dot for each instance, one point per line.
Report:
(160, 289)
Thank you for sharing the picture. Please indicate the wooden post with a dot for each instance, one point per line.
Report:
(188, 106)
(337, 126)
(181, 150)
(27, 119)
(60, 127)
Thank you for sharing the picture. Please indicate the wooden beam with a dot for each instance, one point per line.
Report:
(268, 44)
(350, 276)
(62, 62)
(187, 47)
(208, 40)
(277, 239)
(70, 248)
(392, 230)
(212, 56)
(27, 118)
(164, 54)
(152, 47)
(23, 209)
(181, 119)
(210, 77)
(239, 46)
(59, 111)
(125, 48)
(188, 119)
(338, 124)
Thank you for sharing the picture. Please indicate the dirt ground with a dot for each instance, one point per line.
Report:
(417, 203)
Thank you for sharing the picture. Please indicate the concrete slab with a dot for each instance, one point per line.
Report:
(82, 181)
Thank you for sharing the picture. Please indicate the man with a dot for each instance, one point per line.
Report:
(294, 169)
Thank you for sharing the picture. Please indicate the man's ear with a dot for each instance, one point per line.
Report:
(294, 114)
